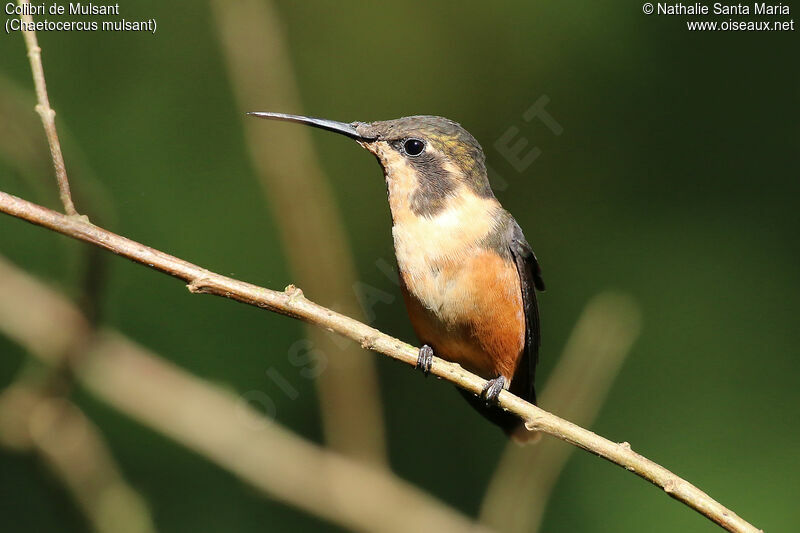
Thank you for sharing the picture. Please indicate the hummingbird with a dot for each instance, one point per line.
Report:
(468, 276)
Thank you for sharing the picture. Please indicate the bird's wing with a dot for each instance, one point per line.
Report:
(530, 277)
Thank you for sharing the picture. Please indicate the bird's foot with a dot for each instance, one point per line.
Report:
(492, 390)
(425, 359)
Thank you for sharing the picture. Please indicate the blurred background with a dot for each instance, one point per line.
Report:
(667, 172)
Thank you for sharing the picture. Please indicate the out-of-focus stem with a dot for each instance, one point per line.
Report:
(214, 422)
(76, 452)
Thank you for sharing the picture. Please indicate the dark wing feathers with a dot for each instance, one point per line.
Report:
(530, 277)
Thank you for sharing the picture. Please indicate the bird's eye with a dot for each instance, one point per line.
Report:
(413, 146)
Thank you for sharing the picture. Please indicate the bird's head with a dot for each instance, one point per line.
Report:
(427, 160)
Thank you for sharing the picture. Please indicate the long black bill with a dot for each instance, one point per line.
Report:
(325, 124)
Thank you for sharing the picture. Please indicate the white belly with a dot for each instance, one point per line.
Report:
(431, 251)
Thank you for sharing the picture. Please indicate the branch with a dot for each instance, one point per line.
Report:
(288, 168)
(214, 422)
(47, 113)
(292, 303)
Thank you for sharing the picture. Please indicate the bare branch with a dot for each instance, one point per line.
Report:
(47, 113)
(287, 166)
(216, 423)
(292, 303)
(520, 488)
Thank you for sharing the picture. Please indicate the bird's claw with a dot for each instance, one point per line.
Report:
(425, 359)
(491, 391)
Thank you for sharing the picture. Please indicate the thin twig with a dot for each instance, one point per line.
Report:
(46, 112)
(521, 485)
(216, 423)
(288, 168)
(292, 303)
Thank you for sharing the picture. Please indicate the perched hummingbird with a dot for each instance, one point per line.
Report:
(467, 274)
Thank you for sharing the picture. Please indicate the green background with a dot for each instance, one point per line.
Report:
(675, 180)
